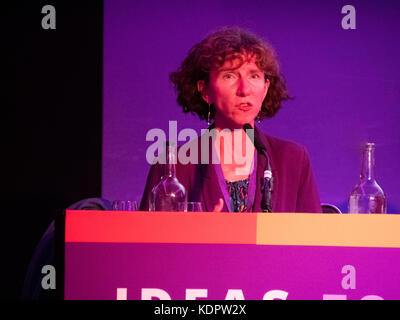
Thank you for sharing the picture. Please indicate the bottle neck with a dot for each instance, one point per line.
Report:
(368, 164)
(170, 170)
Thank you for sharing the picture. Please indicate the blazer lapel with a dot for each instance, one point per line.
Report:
(210, 188)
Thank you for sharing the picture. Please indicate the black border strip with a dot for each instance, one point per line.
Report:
(60, 254)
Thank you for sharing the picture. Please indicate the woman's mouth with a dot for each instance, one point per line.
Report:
(244, 106)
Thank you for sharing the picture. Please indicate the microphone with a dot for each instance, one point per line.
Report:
(267, 179)
(255, 139)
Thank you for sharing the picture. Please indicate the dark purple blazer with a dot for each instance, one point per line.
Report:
(294, 187)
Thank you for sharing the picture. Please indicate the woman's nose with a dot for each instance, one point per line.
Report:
(244, 87)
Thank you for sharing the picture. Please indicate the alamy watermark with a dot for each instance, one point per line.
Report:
(49, 20)
(236, 144)
(49, 279)
(349, 20)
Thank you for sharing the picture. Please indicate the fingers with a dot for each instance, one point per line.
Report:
(218, 207)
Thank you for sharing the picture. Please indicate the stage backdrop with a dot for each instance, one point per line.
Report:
(345, 83)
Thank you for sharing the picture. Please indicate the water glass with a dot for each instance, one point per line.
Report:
(125, 205)
(190, 207)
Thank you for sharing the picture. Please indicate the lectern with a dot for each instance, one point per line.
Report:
(179, 255)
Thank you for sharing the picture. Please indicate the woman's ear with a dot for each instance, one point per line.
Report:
(266, 87)
(201, 87)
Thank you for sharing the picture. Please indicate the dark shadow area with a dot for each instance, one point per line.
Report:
(53, 123)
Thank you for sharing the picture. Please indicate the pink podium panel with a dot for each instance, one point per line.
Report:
(183, 256)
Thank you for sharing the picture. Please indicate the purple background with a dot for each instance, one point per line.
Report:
(96, 270)
(345, 83)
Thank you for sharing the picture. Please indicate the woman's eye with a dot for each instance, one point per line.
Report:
(228, 76)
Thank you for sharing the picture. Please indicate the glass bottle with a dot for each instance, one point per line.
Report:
(367, 196)
(168, 193)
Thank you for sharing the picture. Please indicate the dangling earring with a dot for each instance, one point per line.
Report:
(258, 119)
(208, 116)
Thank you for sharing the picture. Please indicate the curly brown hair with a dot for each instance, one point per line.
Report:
(224, 45)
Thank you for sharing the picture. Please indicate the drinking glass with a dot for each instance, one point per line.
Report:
(125, 205)
(190, 207)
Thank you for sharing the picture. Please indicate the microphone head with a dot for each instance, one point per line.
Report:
(254, 138)
(247, 126)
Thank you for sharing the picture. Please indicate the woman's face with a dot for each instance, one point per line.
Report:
(237, 91)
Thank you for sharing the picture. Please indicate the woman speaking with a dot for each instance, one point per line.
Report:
(232, 77)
